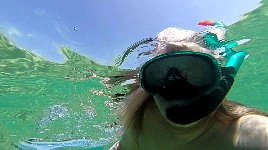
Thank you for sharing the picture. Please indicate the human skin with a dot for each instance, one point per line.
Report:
(248, 132)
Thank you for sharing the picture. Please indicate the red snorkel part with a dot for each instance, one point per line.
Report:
(206, 23)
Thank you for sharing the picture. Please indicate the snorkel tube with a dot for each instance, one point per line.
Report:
(235, 61)
(234, 58)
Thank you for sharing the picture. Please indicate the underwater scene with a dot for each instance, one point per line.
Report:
(72, 104)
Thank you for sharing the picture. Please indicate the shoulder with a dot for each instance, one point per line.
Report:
(252, 132)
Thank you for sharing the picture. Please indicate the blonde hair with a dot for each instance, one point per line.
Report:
(174, 39)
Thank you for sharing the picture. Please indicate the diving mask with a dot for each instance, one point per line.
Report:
(182, 75)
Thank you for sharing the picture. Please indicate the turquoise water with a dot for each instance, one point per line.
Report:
(251, 85)
(72, 103)
(45, 101)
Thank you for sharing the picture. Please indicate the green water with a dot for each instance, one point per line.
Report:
(53, 102)
(251, 82)
(73, 100)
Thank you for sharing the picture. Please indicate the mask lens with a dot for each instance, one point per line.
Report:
(197, 69)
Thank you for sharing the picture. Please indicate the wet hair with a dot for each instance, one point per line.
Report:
(231, 111)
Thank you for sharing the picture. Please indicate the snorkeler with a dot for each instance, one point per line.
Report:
(180, 103)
